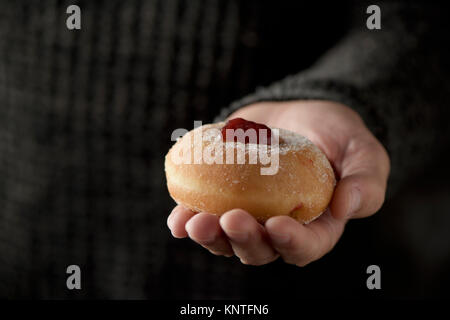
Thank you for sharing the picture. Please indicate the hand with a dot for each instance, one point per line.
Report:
(362, 168)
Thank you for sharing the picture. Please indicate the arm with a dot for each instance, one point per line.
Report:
(392, 79)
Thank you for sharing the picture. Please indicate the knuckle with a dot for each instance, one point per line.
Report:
(254, 261)
(299, 262)
(206, 243)
(384, 156)
(303, 263)
(290, 260)
(378, 197)
(305, 259)
(302, 258)
(220, 253)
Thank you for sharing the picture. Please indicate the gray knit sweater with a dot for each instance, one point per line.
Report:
(86, 118)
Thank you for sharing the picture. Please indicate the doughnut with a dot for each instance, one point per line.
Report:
(278, 173)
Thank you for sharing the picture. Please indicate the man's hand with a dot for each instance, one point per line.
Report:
(360, 162)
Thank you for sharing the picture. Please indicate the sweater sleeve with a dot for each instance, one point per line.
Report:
(395, 78)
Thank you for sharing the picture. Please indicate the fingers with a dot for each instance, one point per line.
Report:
(235, 232)
(177, 221)
(362, 188)
(301, 244)
(204, 228)
(247, 238)
(239, 233)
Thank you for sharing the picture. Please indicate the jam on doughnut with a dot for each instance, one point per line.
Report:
(302, 188)
(239, 123)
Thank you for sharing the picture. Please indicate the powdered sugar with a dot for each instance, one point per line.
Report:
(287, 140)
(283, 142)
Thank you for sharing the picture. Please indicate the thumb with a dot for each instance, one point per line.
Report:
(364, 173)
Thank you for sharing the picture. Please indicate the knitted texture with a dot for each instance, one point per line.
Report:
(86, 118)
(393, 77)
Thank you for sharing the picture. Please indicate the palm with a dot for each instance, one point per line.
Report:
(359, 160)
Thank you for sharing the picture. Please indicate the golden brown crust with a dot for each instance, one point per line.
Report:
(302, 187)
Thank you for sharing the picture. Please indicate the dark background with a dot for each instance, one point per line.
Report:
(85, 122)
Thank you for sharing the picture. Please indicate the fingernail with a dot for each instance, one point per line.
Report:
(280, 238)
(237, 236)
(355, 201)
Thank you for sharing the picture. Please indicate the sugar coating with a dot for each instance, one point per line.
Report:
(288, 142)
(304, 174)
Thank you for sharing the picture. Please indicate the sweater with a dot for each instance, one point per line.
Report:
(86, 117)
